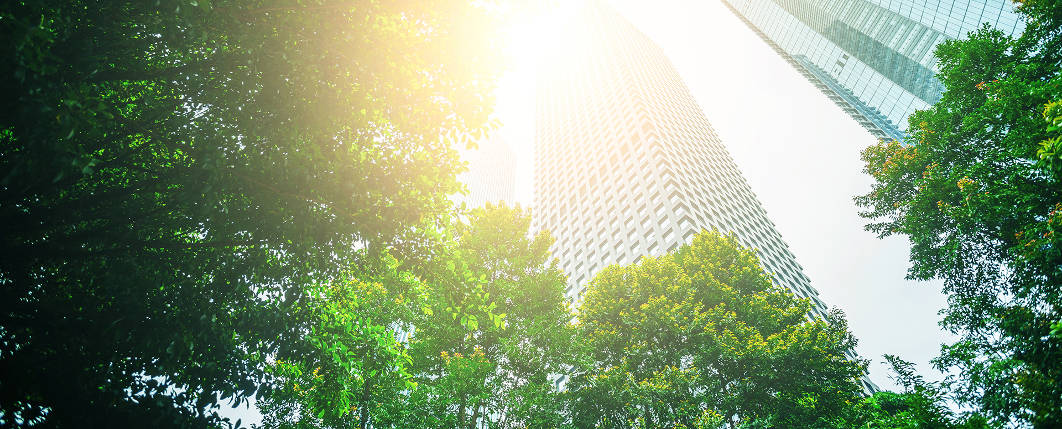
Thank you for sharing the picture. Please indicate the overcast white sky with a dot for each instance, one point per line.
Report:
(799, 153)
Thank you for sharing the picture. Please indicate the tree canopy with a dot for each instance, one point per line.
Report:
(497, 334)
(920, 405)
(978, 190)
(701, 337)
(478, 341)
(177, 177)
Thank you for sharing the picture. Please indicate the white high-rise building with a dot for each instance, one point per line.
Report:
(491, 175)
(627, 164)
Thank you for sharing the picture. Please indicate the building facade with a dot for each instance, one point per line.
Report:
(491, 174)
(627, 165)
(873, 58)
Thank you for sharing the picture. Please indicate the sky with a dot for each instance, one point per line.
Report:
(797, 150)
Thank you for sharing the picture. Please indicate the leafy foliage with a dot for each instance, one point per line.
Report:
(352, 365)
(498, 331)
(921, 405)
(475, 337)
(177, 177)
(701, 336)
(978, 189)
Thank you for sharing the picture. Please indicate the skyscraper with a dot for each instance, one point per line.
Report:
(873, 58)
(491, 174)
(627, 165)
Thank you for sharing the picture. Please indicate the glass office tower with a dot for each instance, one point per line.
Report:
(873, 58)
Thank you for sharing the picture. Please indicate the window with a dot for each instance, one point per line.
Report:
(669, 234)
(660, 210)
(686, 236)
(686, 222)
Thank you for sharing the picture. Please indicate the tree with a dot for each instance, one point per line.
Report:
(498, 331)
(701, 336)
(921, 405)
(487, 332)
(176, 177)
(978, 190)
(352, 366)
